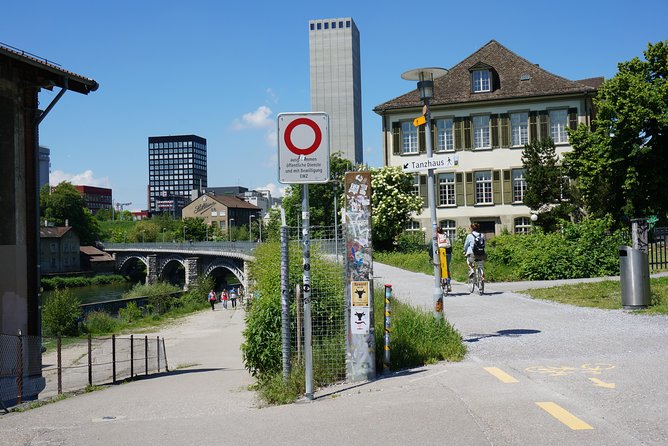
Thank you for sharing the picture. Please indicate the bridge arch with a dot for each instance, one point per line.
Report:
(172, 269)
(135, 266)
(227, 264)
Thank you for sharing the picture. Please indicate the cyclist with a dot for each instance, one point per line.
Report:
(445, 255)
(472, 249)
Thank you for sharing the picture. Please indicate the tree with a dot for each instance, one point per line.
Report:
(392, 203)
(63, 204)
(195, 228)
(620, 164)
(321, 196)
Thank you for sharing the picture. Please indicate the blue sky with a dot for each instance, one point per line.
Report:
(224, 70)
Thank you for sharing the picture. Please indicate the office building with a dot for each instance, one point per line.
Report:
(484, 111)
(334, 46)
(44, 165)
(96, 198)
(176, 166)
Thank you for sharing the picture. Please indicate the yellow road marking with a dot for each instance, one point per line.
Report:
(501, 375)
(599, 383)
(564, 416)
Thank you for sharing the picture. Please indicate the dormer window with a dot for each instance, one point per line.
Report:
(481, 80)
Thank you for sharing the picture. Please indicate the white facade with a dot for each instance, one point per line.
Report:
(334, 46)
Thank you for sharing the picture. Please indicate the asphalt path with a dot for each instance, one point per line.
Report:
(536, 373)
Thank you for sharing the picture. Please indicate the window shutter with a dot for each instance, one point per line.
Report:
(507, 187)
(468, 140)
(423, 190)
(495, 131)
(544, 123)
(469, 189)
(459, 190)
(533, 126)
(504, 130)
(496, 186)
(396, 138)
(458, 129)
(422, 142)
(573, 118)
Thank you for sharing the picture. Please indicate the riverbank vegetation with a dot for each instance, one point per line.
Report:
(417, 338)
(60, 282)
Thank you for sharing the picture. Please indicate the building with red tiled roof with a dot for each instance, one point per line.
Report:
(484, 110)
(222, 211)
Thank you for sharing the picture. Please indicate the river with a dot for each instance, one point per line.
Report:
(96, 293)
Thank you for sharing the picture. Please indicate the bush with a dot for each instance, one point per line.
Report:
(61, 314)
(160, 298)
(99, 323)
(131, 312)
(51, 283)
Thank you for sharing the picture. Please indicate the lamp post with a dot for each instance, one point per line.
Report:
(425, 85)
(142, 235)
(250, 228)
(534, 219)
(184, 233)
(259, 225)
(229, 229)
(163, 234)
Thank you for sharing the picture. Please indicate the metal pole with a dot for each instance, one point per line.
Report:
(336, 223)
(285, 301)
(308, 352)
(19, 369)
(146, 355)
(90, 361)
(164, 355)
(132, 356)
(157, 339)
(113, 358)
(386, 353)
(60, 365)
(431, 196)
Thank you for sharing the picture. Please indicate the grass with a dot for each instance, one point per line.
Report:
(605, 295)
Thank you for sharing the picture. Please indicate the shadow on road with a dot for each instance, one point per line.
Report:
(475, 337)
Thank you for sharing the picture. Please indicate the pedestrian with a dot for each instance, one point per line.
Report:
(223, 296)
(474, 248)
(212, 299)
(233, 297)
(445, 255)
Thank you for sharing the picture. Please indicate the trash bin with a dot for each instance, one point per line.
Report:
(634, 276)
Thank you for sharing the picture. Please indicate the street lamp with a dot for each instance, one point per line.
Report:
(250, 228)
(142, 235)
(163, 234)
(425, 85)
(534, 219)
(229, 228)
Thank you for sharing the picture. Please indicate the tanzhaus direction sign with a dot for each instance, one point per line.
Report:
(303, 148)
(424, 163)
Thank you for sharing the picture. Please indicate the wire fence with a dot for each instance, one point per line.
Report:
(72, 364)
(328, 321)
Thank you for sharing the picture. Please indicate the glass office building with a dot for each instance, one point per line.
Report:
(176, 166)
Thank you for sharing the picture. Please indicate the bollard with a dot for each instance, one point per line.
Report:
(132, 356)
(386, 353)
(60, 365)
(146, 355)
(164, 355)
(90, 361)
(113, 358)
(158, 352)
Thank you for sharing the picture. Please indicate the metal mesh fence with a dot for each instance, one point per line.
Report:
(71, 364)
(328, 332)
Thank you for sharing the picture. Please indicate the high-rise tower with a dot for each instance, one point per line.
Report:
(334, 46)
(176, 166)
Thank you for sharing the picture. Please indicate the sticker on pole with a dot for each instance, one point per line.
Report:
(303, 148)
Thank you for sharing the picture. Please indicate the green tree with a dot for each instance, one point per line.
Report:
(392, 203)
(620, 164)
(272, 231)
(65, 203)
(321, 196)
(195, 229)
(60, 313)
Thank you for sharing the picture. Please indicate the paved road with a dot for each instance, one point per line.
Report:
(537, 373)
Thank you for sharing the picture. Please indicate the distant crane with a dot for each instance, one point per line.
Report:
(120, 207)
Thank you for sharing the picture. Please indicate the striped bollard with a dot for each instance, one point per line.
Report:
(386, 353)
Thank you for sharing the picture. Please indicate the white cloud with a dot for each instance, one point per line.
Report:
(85, 178)
(276, 190)
(257, 119)
(270, 138)
(272, 98)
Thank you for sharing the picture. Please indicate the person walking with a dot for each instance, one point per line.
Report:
(474, 248)
(445, 255)
(212, 299)
(233, 298)
(223, 297)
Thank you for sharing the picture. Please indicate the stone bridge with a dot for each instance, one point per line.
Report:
(197, 259)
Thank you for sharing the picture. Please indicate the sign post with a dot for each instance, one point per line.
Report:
(303, 158)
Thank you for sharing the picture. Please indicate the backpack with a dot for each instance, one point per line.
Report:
(478, 244)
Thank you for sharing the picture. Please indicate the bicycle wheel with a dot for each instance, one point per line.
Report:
(481, 282)
(471, 282)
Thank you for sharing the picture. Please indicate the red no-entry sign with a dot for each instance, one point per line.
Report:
(303, 148)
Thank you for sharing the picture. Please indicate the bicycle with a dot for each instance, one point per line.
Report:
(477, 278)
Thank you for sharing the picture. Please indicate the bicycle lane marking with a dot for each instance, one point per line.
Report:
(564, 416)
(501, 375)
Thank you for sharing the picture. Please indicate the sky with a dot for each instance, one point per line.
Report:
(224, 70)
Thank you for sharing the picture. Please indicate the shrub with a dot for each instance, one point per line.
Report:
(131, 312)
(61, 314)
(99, 323)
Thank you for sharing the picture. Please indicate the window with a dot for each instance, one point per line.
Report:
(444, 136)
(413, 226)
(312, 26)
(483, 187)
(347, 23)
(519, 185)
(481, 133)
(326, 25)
(341, 24)
(520, 128)
(481, 81)
(410, 138)
(450, 229)
(522, 225)
(319, 27)
(416, 185)
(558, 122)
(446, 189)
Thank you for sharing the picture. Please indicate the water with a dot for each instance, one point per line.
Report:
(96, 293)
